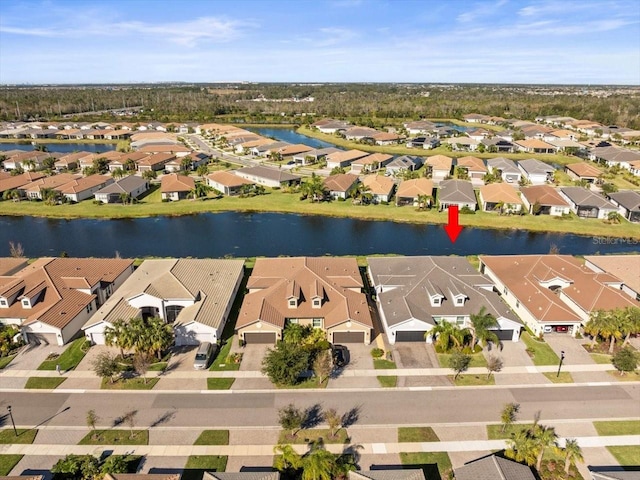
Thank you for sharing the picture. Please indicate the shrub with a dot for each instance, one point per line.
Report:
(377, 353)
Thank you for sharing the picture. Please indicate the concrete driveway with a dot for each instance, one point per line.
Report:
(182, 358)
(360, 357)
(574, 353)
(513, 354)
(31, 356)
(414, 355)
(87, 362)
(252, 356)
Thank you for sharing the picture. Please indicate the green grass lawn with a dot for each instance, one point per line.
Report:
(220, 383)
(615, 427)
(70, 358)
(435, 465)
(626, 455)
(7, 462)
(213, 437)
(48, 383)
(494, 432)
(601, 358)
(540, 352)
(221, 363)
(116, 437)
(565, 377)
(4, 361)
(313, 434)
(469, 380)
(417, 434)
(627, 377)
(388, 381)
(197, 464)
(311, 382)
(7, 436)
(382, 364)
(477, 360)
(158, 366)
(129, 384)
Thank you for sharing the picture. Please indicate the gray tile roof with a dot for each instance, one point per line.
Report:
(124, 185)
(586, 198)
(405, 161)
(456, 191)
(494, 468)
(241, 476)
(615, 475)
(629, 199)
(412, 474)
(535, 166)
(503, 164)
(268, 173)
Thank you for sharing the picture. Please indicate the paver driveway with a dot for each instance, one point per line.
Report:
(413, 355)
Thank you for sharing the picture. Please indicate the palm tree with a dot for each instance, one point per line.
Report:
(119, 335)
(522, 447)
(361, 194)
(117, 173)
(129, 165)
(448, 333)
(314, 188)
(614, 217)
(29, 164)
(160, 336)
(200, 190)
(125, 198)
(318, 464)
(186, 163)
(613, 327)
(480, 325)
(544, 437)
(595, 325)
(286, 458)
(294, 333)
(572, 453)
(631, 323)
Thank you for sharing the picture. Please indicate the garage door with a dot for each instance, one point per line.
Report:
(411, 336)
(262, 337)
(504, 335)
(42, 338)
(192, 338)
(348, 337)
(97, 338)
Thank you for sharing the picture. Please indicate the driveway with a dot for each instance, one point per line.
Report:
(360, 357)
(182, 358)
(31, 356)
(574, 352)
(513, 354)
(414, 355)
(252, 356)
(87, 362)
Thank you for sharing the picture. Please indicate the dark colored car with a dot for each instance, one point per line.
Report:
(340, 355)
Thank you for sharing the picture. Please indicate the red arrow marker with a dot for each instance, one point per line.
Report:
(452, 228)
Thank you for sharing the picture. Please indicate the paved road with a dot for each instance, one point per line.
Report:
(382, 408)
(203, 147)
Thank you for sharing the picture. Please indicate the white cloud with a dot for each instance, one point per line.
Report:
(480, 11)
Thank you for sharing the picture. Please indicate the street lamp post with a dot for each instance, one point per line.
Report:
(12, 422)
(560, 364)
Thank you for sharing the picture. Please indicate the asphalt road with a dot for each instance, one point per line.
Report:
(379, 408)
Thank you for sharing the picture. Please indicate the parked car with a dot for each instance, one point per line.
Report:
(206, 352)
(562, 328)
(340, 355)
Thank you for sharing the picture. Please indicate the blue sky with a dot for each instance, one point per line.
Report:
(499, 41)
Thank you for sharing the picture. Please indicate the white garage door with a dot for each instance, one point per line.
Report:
(192, 338)
(97, 338)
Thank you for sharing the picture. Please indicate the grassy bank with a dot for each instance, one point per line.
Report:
(280, 202)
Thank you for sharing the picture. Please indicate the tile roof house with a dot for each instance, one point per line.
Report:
(587, 204)
(154, 162)
(33, 190)
(627, 201)
(52, 298)
(176, 187)
(386, 138)
(11, 265)
(537, 172)
(410, 191)
(194, 295)
(384, 474)
(131, 185)
(612, 156)
(24, 160)
(494, 468)
(414, 294)
(464, 144)
(322, 292)
(267, 176)
(15, 182)
(71, 161)
(341, 185)
(314, 156)
(85, 187)
(614, 474)
(343, 158)
(127, 161)
(456, 192)
(534, 145)
(583, 171)
(360, 133)
(370, 163)
(545, 199)
(404, 163)
(550, 291)
(624, 267)
(227, 182)
(247, 475)
(381, 188)
(495, 194)
(508, 169)
(474, 166)
(439, 166)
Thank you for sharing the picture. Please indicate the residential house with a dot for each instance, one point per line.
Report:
(245, 147)
(11, 265)
(227, 183)
(178, 150)
(494, 467)
(341, 185)
(370, 163)
(52, 298)
(498, 144)
(267, 149)
(474, 167)
(195, 159)
(476, 118)
(587, 204)
(536, 172)
(427, 143)
(322, 292)
(456, 192)
(627, 201)
(509, 171)
(387, 474)
(613, 156)
(634, 167)
(176, 187)
(313, 156)
(402, 164)
(193, 295)
(553, 293)
(414, 191)
(500, 196)
(360, 133)
(155, 162)
(565, 145)
(246, 474)
(85, 187)
(330, 125)
(70, 134)
(613, 474)
(33, 190)
(380, 187)
(534, 145)
(478, 134)
(583, 171)
(386, 138)
(419, 126)
(414, 294)
(71, 161)
(129, 187)
(288, 151)
(343, 159)
(27, 161)
(464, 144)
(126, 159)
(544, 200)
(268, 176)
(14, 182)
(439, 166)
(624, 267)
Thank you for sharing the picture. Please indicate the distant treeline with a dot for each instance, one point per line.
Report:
(364, 104)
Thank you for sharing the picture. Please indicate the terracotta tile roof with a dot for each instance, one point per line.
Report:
(156, 158)
(414, 187)
(50, 182)
(533, 143)
(294, 149)
(142, 476)
(624, 267)
(472, 163)
(372, 159)
(544, 195)
(378, 184)
(584, 169)
(345, 156)
(17, 181)
(85, 183)
(385, 137)
(110, 155)
(499, 192)
(177, 183)
(440, 162)
(10, 265)
(164, 149)
(340, 182)
(272, 278)
(228, 179)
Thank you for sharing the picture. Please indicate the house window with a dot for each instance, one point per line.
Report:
(89, 307)
(316, 303)
(517, 303)
(172, 312)
(317, 323)
(293, 303)
(25, 303)
(505, 291)
(293, 320)
(3, 302)
(459, 320)
(460, 301)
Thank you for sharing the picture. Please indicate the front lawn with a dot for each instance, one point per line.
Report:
(382, 364)
(70, 358)
(311, 382)
(618, 427)
(477, 360)
(4, 361)
(627, 377)
(435, 465)
(469, 380)
(540, 352)
(48, 383)
(417, 434)
(601, 358)
(223, 362)
(564, 377)
(626, 455)
(313, 434)
(7, 436)
(129, 384)
(213, 437)
(116, 437)
(388, 381)
(7, 462)
(494, 432)
(214, 383)
(197, 464)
